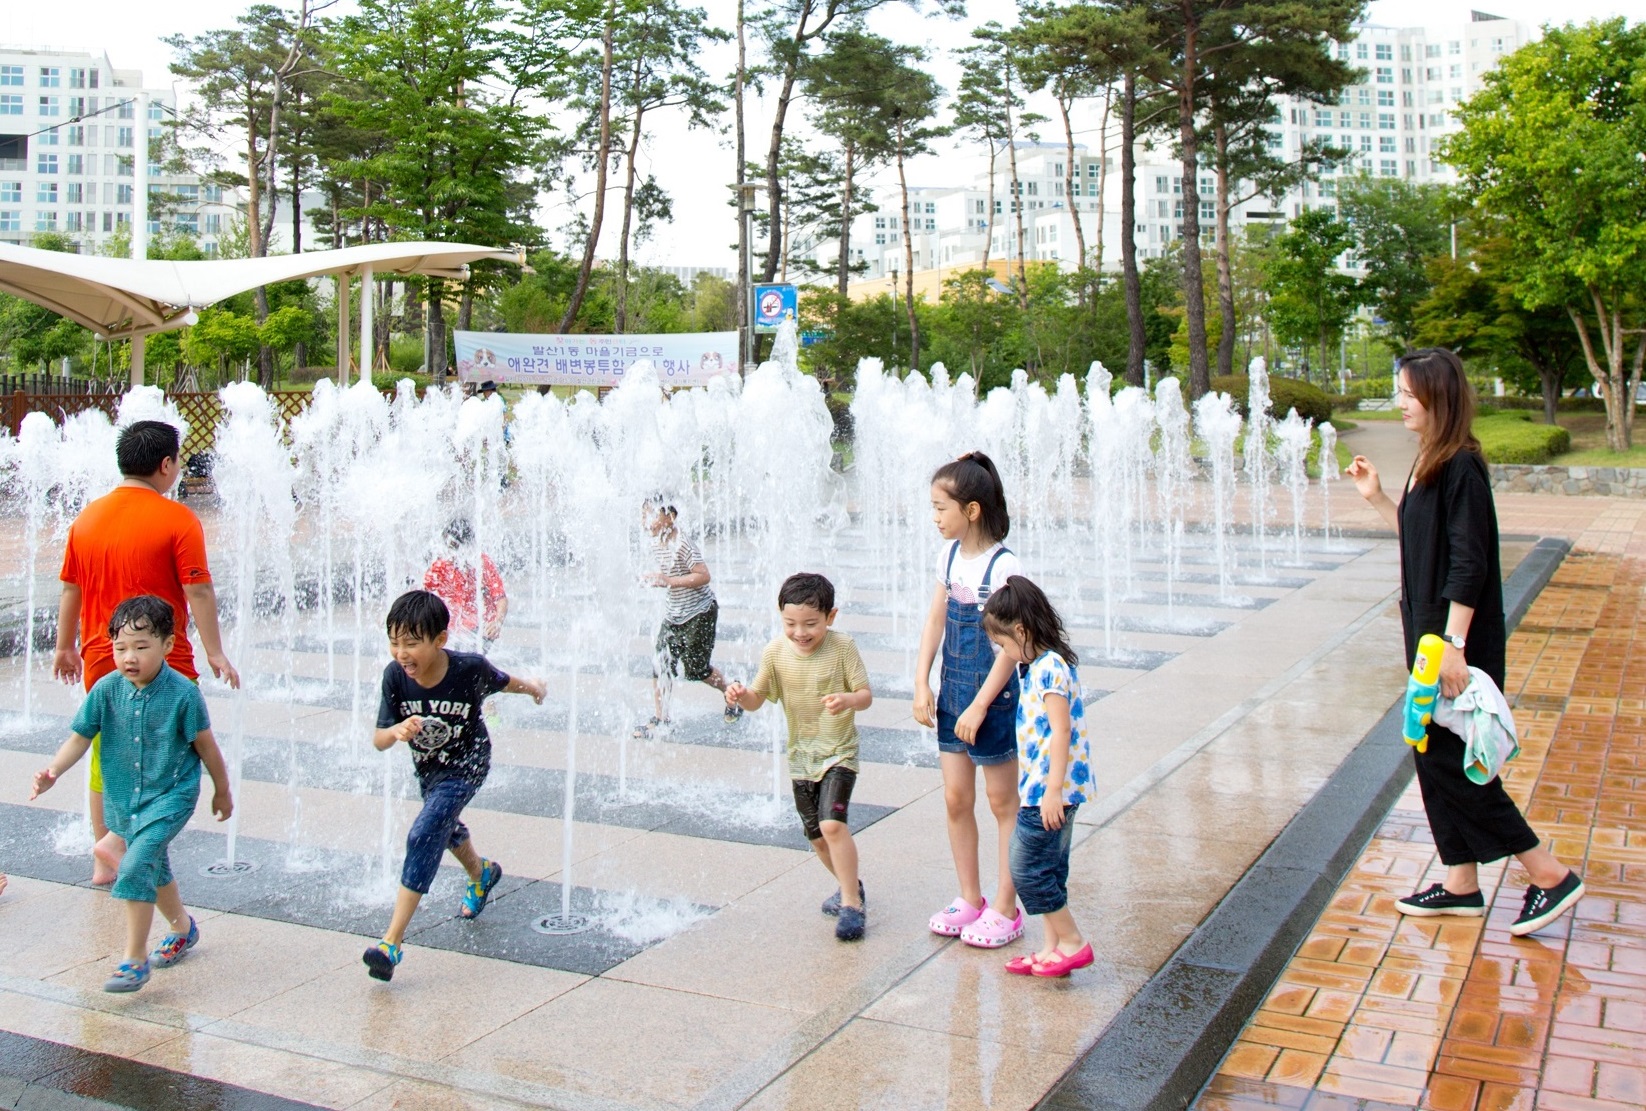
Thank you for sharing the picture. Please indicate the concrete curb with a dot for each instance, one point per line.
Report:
(1165, 1044)
(40, 1075)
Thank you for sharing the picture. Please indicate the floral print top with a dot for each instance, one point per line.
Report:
(1050, 674)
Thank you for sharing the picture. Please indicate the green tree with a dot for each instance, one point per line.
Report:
(434, 82)
(1552, 145)
(1310, 298)
(655, 48)
(914, 96)
(1472, 307)
(285, 328)
(976, 318)
(221, 337)
(1399, 226)
(853, 104)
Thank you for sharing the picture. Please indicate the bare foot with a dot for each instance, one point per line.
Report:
(106, 856)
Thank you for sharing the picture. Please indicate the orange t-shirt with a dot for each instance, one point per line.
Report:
(133, 541)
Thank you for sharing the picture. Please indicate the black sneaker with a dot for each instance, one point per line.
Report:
(1437, 900)
(831, 905)
(850, 926)
(1542, 907)
(733, 715)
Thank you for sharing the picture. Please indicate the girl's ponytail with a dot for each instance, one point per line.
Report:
(1020, 602)
(973, 478)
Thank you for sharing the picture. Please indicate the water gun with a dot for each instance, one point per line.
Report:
(1421, 691)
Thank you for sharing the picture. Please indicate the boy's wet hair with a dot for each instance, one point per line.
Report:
(145, 613)
(459, 533)
(973, 478)
(662, 503)
(1020, 602)
(808, 588)
(418, 613)
(144, 445)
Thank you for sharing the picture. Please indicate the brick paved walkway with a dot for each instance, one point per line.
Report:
(1378, 1011)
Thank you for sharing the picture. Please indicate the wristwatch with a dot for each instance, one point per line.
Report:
(1454, 641)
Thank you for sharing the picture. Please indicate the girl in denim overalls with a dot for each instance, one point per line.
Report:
(976, 706)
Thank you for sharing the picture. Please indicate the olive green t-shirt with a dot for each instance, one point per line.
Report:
(818, 740)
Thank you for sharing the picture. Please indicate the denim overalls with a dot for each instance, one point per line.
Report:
(967, 658)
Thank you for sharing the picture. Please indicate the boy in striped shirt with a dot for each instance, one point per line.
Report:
(685, 641)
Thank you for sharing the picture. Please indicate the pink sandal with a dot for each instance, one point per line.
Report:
(993, 930)
(955, 917)
(1066, 963)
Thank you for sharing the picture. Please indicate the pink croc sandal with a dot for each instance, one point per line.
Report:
(955, 917)
(993, 930)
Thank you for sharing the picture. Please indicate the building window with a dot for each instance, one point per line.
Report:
(47, 138)
(1323, 118)
(1434, 96)
(77, 164)
(1365, 142)
(77, 78)
(127, 110)
(189, 223)
(1366, 120)
(1386, 121)
(1385, 52)
(1389, 167)
(1328, 188)
(77, 135)
(46, 164)
(1034, 189)
(1437, 119)
(11, 105)
(122, 195)
(1385, 98)
(1432, 50)
(1343, 52)
(1456, 72)
(11, 75)
(45, 221)
(51, 106)
(1386, 144)
(1411, 146)
(77, 193)
(1385, 75)
(50, 77)
(45, 193)
(1360, 51)
(1363, 95)
(1406, 76)
(1432, 73)
(1455, 46)
(75, 222)
(1405, 52)
(11, 219)
(11, 192)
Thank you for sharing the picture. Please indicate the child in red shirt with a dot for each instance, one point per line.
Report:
(451, 577)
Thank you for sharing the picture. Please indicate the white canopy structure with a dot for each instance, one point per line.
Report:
(132, 298)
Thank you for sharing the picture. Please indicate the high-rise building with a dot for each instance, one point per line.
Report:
(1391, 121)
(68, 130)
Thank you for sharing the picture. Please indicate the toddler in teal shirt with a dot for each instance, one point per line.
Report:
(156, 735)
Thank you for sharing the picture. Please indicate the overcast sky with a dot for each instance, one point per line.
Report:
(685, 163)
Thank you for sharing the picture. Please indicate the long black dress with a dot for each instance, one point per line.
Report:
(1449, 553)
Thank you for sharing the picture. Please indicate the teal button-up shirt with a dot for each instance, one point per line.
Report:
(150, 768)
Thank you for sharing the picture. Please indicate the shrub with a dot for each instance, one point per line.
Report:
(1284, 393)
(1511, 437)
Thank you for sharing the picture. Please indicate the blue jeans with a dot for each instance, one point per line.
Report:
(438, 827)
(1040, 860)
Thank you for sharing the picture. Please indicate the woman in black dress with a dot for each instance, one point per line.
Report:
(1452, 585)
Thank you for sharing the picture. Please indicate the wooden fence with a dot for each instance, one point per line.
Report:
(201, 410)
(55, 384)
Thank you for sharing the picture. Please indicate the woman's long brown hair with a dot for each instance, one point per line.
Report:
(1435, 377)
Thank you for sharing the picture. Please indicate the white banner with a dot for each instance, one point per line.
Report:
(681, 358)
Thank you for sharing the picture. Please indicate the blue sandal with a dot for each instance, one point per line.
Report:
(474, 899)
(381, 959)
(128, 977)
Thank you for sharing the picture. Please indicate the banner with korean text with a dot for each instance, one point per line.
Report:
(681, 358)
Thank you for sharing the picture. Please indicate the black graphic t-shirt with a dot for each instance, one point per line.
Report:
(453, 741)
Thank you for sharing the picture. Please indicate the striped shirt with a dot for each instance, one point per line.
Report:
(818, 740)
(676, 558)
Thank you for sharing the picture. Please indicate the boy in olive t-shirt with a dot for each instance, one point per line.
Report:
(819, 677)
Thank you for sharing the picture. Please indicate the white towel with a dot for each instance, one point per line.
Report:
(1480, 715)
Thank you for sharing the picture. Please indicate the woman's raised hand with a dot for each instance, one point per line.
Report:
(1365, 477)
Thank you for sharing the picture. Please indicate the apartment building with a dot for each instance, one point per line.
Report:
(68, 130)
(1391, 121)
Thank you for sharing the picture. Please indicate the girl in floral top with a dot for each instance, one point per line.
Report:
(1054, 773)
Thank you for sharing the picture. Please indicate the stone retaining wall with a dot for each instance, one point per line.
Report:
(1520, 478)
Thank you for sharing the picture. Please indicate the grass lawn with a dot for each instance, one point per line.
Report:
(1589, 443)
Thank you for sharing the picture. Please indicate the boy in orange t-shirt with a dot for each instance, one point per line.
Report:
(134, 540)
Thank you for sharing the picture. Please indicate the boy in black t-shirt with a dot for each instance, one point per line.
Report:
(432, 700)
